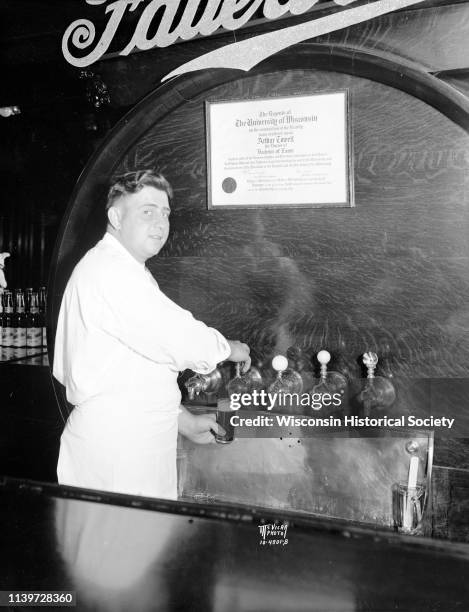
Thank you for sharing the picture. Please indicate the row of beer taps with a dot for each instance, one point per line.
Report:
(294, 373)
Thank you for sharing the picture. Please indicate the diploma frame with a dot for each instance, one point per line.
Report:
(226, 110)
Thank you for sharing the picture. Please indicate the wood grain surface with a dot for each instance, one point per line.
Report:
(394, 269)
(450, 506)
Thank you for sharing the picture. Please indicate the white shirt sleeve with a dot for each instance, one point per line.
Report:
(132, 309)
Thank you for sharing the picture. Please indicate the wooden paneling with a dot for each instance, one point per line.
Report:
(450, 514)
(453, 452)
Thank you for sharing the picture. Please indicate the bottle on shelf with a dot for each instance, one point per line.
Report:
(33, 323)
(7, 335)
(42, 312)
(19, 321)
(27, 298)
(1, 320)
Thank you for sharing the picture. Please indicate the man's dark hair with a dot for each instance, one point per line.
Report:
(131, 182)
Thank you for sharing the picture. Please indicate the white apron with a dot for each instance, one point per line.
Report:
(120, 449)
(119, 346)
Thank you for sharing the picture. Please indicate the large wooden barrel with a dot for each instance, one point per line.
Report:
(392, 271)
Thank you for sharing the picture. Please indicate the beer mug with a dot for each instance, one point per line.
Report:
(223, 416)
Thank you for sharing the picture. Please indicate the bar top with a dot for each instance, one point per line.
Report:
(120, 552)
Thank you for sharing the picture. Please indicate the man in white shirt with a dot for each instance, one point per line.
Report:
(119, 346)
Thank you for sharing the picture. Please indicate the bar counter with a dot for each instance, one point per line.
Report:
(119, 552)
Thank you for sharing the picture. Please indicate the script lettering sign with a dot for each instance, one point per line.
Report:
(81, 46)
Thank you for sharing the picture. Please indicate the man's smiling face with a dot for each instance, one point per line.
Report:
(143, 222)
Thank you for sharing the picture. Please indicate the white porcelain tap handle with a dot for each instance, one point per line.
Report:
(280, 363)
(324, 357)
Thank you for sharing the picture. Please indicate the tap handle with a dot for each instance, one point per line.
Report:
(323, 357)
(193, 386)
(377, 392)
(370, 360)
(280, 363)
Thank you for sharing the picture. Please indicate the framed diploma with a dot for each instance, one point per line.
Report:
(279, 152)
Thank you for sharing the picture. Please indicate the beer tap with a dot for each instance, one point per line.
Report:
(287, 380)
(378, 392)
(206, 383)
(244, 383)
(330, 382)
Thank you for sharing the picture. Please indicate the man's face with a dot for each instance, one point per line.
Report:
(144, 222)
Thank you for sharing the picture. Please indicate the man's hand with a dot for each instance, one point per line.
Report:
(197, 427)
(240, 353)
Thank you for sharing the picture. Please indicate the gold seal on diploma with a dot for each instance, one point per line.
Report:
(229, 184)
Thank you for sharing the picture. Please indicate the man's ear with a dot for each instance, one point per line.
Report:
(113, 215)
